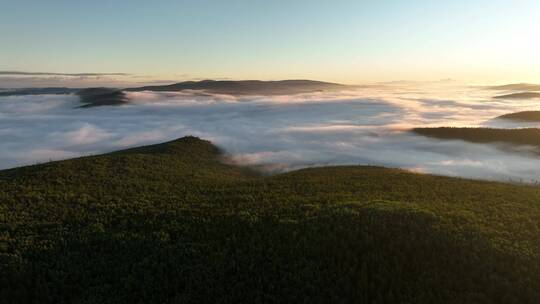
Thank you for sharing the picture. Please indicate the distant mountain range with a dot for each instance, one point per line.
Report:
(91, 97)
(38, 91)
(247, 87)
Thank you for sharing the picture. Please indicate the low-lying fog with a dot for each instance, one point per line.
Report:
(366, 126)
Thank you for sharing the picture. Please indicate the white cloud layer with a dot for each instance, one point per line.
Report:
(368, 126)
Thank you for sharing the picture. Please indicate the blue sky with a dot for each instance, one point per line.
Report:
(345, 41)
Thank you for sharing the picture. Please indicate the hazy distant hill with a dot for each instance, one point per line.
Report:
(94, 97)
(247, 87)
(39, 91)
(515, 137)
(522, 95)
(517, 87)
(89, 97)
(171, 223)
(522, 116)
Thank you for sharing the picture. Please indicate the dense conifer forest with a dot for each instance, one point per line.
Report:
(172, 223)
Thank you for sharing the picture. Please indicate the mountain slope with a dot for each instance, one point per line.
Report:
(517, 87)
(173, 223)
(511, 138)
(522, 116)
(247, 87)
(38, 91)
(521, 95)
(93, 97)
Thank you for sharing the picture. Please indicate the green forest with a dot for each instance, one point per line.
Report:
(173, 223)
(510, 137)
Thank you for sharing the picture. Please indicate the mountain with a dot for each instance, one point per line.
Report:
(90, 97)
(172, 223)
(94, 97)
(517, 87)
(522, 116)
(525, 91)
(522, 95)
(247, 87)
(510, 137)
(38, 91)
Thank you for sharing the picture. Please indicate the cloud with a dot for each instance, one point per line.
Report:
(367, 126)
(82, 134)
(21, 73)
(22, 79)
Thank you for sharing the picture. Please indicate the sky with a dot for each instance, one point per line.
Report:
(344, 41)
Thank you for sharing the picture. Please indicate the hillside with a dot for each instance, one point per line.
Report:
(247, 87)
(171, 223)
(95, 97)
(522, 116)
(510, 137)
(38, 91)
(522, 95)
(517, 87)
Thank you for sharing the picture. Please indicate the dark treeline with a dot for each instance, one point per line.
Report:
(525, 136)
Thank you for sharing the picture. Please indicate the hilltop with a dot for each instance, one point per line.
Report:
(520, 91)
(517, 87)
(522, 116)
(173, 223)
(247, 87)
(38, 91)
(509, 137)
(95, 97)
(92, 97)
(522, 95)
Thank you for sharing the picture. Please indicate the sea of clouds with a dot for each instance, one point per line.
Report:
(366, 126)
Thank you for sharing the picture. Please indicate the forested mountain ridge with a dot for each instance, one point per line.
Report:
(248, 87)
(172, 223)
(104, 96)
